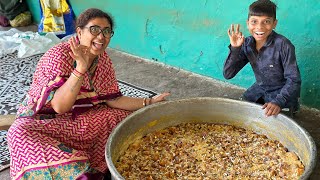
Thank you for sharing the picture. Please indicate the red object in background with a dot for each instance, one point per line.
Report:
(4, 21)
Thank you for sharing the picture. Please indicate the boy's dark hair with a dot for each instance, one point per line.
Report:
(90, 14)
(263, 8)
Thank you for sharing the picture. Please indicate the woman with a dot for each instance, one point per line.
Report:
(71, 108)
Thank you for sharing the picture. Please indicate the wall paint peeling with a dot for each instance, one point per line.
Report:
(192, 34)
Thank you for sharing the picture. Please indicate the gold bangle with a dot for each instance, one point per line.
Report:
(76, 76)
(144, 102)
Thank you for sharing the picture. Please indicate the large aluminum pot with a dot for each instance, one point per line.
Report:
(212, 110)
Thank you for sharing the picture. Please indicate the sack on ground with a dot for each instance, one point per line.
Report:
(57, 17)
(23, 19)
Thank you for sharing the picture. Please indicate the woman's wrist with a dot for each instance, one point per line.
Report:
(78, 72)
(76, 76)
(144, 102)
(147, 101)
(150, 101)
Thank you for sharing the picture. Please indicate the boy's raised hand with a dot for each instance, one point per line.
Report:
(236, 37)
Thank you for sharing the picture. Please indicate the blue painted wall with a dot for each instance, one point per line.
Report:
(192, 35)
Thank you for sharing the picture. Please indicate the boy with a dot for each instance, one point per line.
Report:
(272, 58)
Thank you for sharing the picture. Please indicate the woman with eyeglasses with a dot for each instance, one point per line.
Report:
(72, 106)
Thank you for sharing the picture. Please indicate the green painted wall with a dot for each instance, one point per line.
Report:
(192, 35)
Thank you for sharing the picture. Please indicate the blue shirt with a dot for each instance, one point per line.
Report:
(275, 68)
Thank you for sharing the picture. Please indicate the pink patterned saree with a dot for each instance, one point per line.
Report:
(46, 145)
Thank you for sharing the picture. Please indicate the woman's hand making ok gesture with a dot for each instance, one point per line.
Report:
(81, 54)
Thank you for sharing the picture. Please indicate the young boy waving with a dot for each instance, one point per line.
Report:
(272, 58)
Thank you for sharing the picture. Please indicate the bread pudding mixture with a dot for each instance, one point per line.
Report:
(208, 151)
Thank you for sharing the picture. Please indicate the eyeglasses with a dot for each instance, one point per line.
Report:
(96, 30)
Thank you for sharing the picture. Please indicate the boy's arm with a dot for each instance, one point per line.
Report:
(291, 89)
(235, 61)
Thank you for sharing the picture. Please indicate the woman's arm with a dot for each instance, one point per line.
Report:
(132, 104)
(65, 96)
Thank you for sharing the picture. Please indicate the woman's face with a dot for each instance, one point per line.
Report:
(92, 35)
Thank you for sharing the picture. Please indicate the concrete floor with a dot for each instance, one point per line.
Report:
(182, 84)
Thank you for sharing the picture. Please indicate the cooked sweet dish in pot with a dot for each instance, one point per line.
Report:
(208, 151)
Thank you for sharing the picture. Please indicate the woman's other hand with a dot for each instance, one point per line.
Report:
(132, 103)
(159, 98)
(235, 36)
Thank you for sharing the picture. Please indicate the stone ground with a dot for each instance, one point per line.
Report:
(183, 84)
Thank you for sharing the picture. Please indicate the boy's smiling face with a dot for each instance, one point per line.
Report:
(260, 27)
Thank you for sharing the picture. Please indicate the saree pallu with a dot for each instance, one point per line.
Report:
(46, 145)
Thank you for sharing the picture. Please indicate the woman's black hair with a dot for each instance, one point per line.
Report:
(93, 13)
